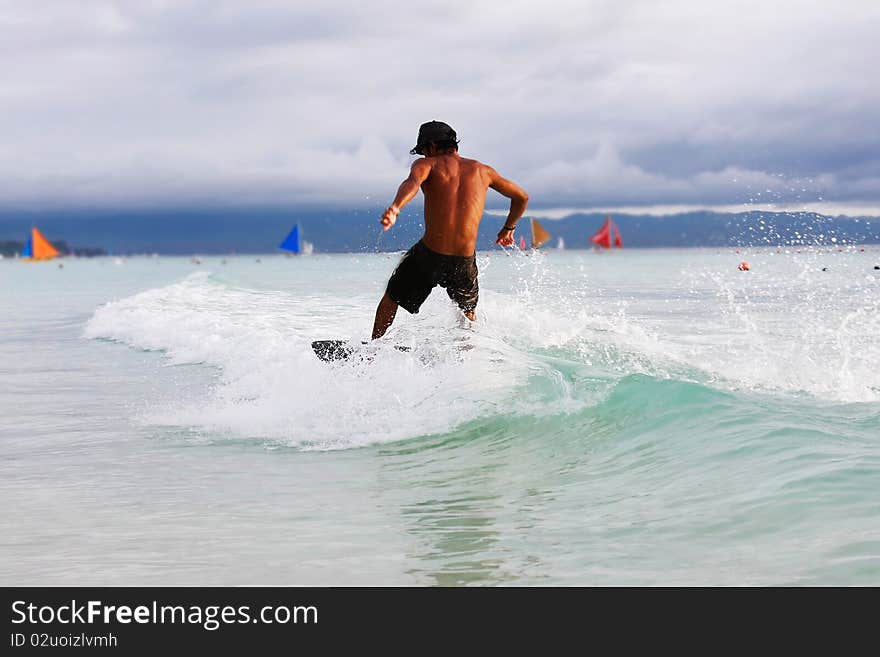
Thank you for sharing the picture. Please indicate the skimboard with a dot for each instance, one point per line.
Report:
(332, 350)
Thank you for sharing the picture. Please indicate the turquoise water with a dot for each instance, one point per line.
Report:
(636, 418)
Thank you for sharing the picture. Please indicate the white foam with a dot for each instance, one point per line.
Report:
(271, 386)
(795, 328)
(785, 327)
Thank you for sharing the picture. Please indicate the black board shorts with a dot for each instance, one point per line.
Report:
(421, 269)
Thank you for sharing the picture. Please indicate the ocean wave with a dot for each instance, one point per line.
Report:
(542, 349)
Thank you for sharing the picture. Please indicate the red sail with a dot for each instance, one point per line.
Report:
(603, 235)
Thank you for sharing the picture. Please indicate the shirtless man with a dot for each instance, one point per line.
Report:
(455, 191)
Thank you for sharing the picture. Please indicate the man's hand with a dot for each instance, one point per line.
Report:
(505, 237)
(389, 218)
(418, 173)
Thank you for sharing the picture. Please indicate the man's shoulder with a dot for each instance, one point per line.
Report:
(421, 167)
(475, 164)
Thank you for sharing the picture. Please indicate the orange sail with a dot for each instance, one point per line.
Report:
(539, 234)
(38, 247)
(607, 235)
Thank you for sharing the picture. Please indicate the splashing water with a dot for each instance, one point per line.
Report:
(559, 329)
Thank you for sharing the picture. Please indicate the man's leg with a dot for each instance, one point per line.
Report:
(465, 290)
(384, 316)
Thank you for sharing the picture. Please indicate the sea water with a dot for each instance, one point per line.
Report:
(638, 417)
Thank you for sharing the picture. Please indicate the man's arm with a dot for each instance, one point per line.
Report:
(518, 202)
(418, 173)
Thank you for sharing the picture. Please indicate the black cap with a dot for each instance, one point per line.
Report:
(433, 131)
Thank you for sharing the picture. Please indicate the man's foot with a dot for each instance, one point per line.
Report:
(466, 320)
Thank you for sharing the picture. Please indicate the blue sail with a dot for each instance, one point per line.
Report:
(28, 249)
(291, 242)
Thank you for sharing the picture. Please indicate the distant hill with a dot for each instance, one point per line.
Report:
(724, 229)
(243, 230)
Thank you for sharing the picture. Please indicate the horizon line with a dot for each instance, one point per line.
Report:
(551, 212)
(827, 208)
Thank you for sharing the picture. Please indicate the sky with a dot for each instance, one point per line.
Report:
(586, 104)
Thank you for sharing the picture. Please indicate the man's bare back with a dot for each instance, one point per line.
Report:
(455, 191)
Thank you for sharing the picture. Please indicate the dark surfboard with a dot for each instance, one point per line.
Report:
(332, 350)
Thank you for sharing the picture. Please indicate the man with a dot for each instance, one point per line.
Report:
(455, 191)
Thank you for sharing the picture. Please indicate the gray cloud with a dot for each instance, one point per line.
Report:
(585, 103)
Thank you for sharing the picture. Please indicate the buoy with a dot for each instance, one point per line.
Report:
(743, 266)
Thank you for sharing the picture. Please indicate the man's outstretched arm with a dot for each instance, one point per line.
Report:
(406, 192)
(518, 202)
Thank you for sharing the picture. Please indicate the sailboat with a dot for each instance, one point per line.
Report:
(603, 237)
(38, 247)
(522, 243)
(560, 243)
(294, 244)
(539, 234)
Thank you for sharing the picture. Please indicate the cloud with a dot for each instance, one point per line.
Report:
(278, 102)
